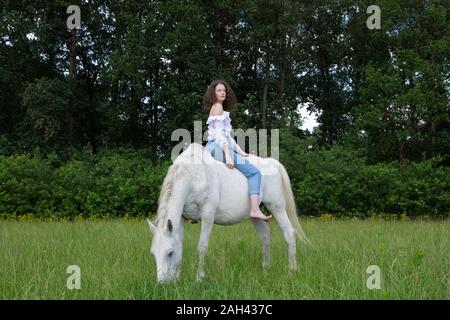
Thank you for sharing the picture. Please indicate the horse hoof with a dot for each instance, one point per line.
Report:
(293, 267)
(200, 276)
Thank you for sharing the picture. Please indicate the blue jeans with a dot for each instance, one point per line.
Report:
(243, 165)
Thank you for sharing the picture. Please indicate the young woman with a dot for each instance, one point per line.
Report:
(219, 99)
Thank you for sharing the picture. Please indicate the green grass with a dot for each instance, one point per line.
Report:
(115, 261)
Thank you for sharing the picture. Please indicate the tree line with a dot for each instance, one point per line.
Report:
(140, 68)
(136, 70)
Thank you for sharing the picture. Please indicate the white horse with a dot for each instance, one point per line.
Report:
(198, 187)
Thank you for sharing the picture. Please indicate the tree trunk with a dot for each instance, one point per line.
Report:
(284, 63)
(115, 82)
(265, 90)
(73, 76)
(433, 136)
(402, 153)
(154, 116)
(133, 121)
(92, 124)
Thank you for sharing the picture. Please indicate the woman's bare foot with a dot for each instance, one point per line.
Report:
(259, 215)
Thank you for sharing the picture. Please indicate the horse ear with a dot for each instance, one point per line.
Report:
(152, 226)
(170, 226)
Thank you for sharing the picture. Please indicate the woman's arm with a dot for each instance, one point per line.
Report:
(217, 126)
(228, 158)
(237, 148)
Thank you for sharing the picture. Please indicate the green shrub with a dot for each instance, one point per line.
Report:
(339, 181)
(108, 184)
(122, 182)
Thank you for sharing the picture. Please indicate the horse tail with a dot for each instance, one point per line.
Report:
(291, 208)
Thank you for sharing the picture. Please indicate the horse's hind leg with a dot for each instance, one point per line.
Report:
(279, 212)
(264, 234)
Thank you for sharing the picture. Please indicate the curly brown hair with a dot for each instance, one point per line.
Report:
(210, 96)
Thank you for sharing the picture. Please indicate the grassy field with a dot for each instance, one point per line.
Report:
(413, 256)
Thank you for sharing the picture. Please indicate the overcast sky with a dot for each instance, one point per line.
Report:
(309, 120)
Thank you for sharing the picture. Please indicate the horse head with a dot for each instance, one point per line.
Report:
(166, 248)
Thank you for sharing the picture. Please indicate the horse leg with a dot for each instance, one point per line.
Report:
(264, 234)
(279, 212)
(206, 227)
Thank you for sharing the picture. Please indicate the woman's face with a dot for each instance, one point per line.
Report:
(221, 93)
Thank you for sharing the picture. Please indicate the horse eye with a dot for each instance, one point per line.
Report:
(170, 254)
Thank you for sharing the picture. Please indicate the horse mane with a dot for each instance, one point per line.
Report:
(182, 164)
(164, 196)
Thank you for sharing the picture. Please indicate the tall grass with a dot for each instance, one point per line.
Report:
(115, 263)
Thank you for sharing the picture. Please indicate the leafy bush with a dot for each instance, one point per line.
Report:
(108, 184)
(335, 181)
(339, 181)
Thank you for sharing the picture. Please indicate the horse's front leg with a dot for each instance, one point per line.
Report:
(206, 227)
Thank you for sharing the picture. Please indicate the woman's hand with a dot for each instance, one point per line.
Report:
(228, 158)
(230, 162)
(244, 154)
